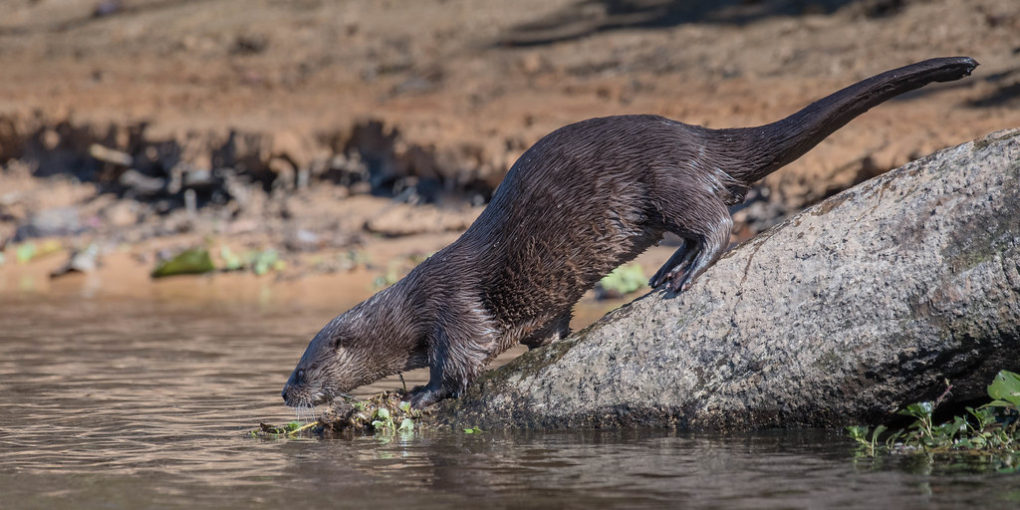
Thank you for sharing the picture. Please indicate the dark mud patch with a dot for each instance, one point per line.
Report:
(128, 160)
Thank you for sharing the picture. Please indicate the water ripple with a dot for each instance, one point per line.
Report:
(140, 405)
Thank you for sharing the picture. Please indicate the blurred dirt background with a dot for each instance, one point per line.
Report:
(354, 137)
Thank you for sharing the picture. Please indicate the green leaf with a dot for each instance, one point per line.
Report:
(919, 410)
(878, 431)
(24, 252)
(1006, 386)
(194, 261)
(405, 406)
(407, 425)
(983, 415)
(231, 262)
(948, 430)
(1000, 403)
(891, 440)
(625, 279)
(857, 432)
(382, 413)
(264, 261)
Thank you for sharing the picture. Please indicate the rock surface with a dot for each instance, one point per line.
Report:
(843, 314)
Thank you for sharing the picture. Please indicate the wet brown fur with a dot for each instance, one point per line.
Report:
(580, 202)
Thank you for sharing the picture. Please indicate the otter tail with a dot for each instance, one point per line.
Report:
(764, 149)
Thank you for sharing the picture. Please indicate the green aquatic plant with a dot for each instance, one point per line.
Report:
(24, 252)
(1005, 390)
(385, 421)
(27, 252)
(386, 415)
(231, 262)
(290, 430)
(382, 420)
(921, 412)
(989, 428)
(859, 433)
(622, 281)
(262, 262)
(259, 262)
(406, 425)
(193, 261)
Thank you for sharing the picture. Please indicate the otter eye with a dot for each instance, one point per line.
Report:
(337, 343)
(299, 378)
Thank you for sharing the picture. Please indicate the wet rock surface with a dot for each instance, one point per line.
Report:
(849, 310)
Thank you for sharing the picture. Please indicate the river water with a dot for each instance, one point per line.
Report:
(145, 403)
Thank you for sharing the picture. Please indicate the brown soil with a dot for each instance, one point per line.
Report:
(284, 117)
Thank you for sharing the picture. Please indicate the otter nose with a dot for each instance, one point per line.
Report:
(297, 378)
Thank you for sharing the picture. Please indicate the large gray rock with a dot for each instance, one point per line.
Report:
(843, 314)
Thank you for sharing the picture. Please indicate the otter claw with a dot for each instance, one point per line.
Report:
(675, 271)
(425, 396)
(676, 280)
(679, 281)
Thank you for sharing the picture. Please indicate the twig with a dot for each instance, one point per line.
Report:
(303, 427)
(944, 395)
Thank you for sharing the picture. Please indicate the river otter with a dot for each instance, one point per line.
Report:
(580, 202)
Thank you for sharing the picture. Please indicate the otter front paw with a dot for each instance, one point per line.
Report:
(425, 396)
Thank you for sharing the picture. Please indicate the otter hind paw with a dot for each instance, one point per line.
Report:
(676, 278)
(424, 396)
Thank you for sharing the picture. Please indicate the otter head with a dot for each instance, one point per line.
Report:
(368, 342)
